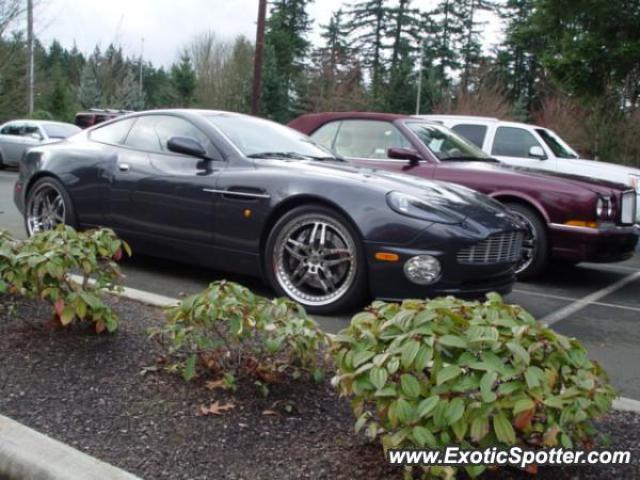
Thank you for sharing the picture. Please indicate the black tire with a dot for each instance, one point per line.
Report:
(349, 266)
(540, 249)
(54, 185)
(2, 165)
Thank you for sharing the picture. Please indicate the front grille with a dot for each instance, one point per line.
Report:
(497, 248)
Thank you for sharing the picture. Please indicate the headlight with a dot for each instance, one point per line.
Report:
(628, 209)
(423, 269)
(411, 206)
(604, 208)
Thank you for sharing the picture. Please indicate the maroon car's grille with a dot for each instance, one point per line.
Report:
(497, 248)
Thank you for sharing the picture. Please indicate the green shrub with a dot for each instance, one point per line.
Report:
(430, 374)
(41, 267)
(227, 330)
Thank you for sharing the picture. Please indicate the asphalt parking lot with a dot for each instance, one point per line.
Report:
(598, 304)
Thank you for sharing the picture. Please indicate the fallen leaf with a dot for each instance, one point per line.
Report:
(269, 412)
(100, 327)
(59, 307)
(531, 469)
(213, 384)
(216, 408)
(523, 420)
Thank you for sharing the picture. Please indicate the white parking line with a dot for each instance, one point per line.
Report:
(589, 299)
(573, 299)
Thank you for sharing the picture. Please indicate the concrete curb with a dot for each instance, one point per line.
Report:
(28, 455)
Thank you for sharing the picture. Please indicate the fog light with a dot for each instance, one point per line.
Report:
(423, 269)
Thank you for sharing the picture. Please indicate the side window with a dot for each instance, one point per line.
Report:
(114, 133)
(151, 133)
(368, 139)
(31, 131)
(513, 142)
(326, 134)
(11, 129)
(474, 133)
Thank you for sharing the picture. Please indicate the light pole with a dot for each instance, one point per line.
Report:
(258, 58)
(30, 67)
(419, 95)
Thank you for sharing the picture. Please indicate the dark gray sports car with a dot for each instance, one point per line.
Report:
(246, 195)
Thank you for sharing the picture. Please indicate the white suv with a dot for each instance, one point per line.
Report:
(535, 147)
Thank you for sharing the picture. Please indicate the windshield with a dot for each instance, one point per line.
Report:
(259, 138)
(556, 144)
(55, 130)
(446, 144)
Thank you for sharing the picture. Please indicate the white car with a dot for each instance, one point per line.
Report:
(535, 147)
(17, 136)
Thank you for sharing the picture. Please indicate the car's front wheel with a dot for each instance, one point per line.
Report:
(314, 256)
(48, 205)
(535, 248)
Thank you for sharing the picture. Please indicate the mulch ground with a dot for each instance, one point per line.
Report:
(95, 393)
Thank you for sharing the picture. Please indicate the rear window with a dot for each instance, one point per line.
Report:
(114, 133)
(54, 130)
(474, 133)
(84, 121)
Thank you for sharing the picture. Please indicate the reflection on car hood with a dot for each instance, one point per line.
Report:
(455, 200)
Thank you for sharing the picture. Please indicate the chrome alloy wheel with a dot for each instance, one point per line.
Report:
(45, 209)
(315, 260)
(529, 243)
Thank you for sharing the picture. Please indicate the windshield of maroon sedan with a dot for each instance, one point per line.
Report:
(257, 138)
(446, 144)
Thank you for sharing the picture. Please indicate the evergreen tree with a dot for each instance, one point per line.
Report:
(285, 54)
(470, 45)
(369, 24)
(183, 80)
(89, 94)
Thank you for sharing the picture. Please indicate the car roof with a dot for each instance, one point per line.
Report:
(477, 118)
(312, 121)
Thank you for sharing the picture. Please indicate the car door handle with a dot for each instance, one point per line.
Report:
(124, 167)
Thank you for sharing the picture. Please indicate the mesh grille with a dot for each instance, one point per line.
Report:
(497, 248)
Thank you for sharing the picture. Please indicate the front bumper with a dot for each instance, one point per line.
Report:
(388, 281)
(607, 243)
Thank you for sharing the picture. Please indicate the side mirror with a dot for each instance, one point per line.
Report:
(186, 146)
(537, 152)
(404, 154)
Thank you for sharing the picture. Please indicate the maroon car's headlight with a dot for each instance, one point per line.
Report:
(604, 208)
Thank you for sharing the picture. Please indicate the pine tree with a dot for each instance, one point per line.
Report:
(470, 45)
(405, 36)
(369, 24)
(285, 56)
(89, 94)
(183, 80)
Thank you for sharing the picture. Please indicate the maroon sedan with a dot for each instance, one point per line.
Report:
(571, 219)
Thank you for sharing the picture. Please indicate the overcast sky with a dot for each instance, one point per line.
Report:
(166, 25)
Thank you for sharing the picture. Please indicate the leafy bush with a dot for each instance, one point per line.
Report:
(41, 266)
(429, 374)
(228, 330)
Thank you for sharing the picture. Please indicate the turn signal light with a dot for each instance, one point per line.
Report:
(387, 257)
(581, 223)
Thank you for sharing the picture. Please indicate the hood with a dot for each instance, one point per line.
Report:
(609, 171)
(555, 180)
(454, 201)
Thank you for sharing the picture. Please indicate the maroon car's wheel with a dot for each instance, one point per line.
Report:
(535, 252)
(315, 257)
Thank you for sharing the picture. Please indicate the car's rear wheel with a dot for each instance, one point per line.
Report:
(535, 251)
(48, 205)
(315, 257)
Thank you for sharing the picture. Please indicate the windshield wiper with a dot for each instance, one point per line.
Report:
(462, 158)
(290, 155)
